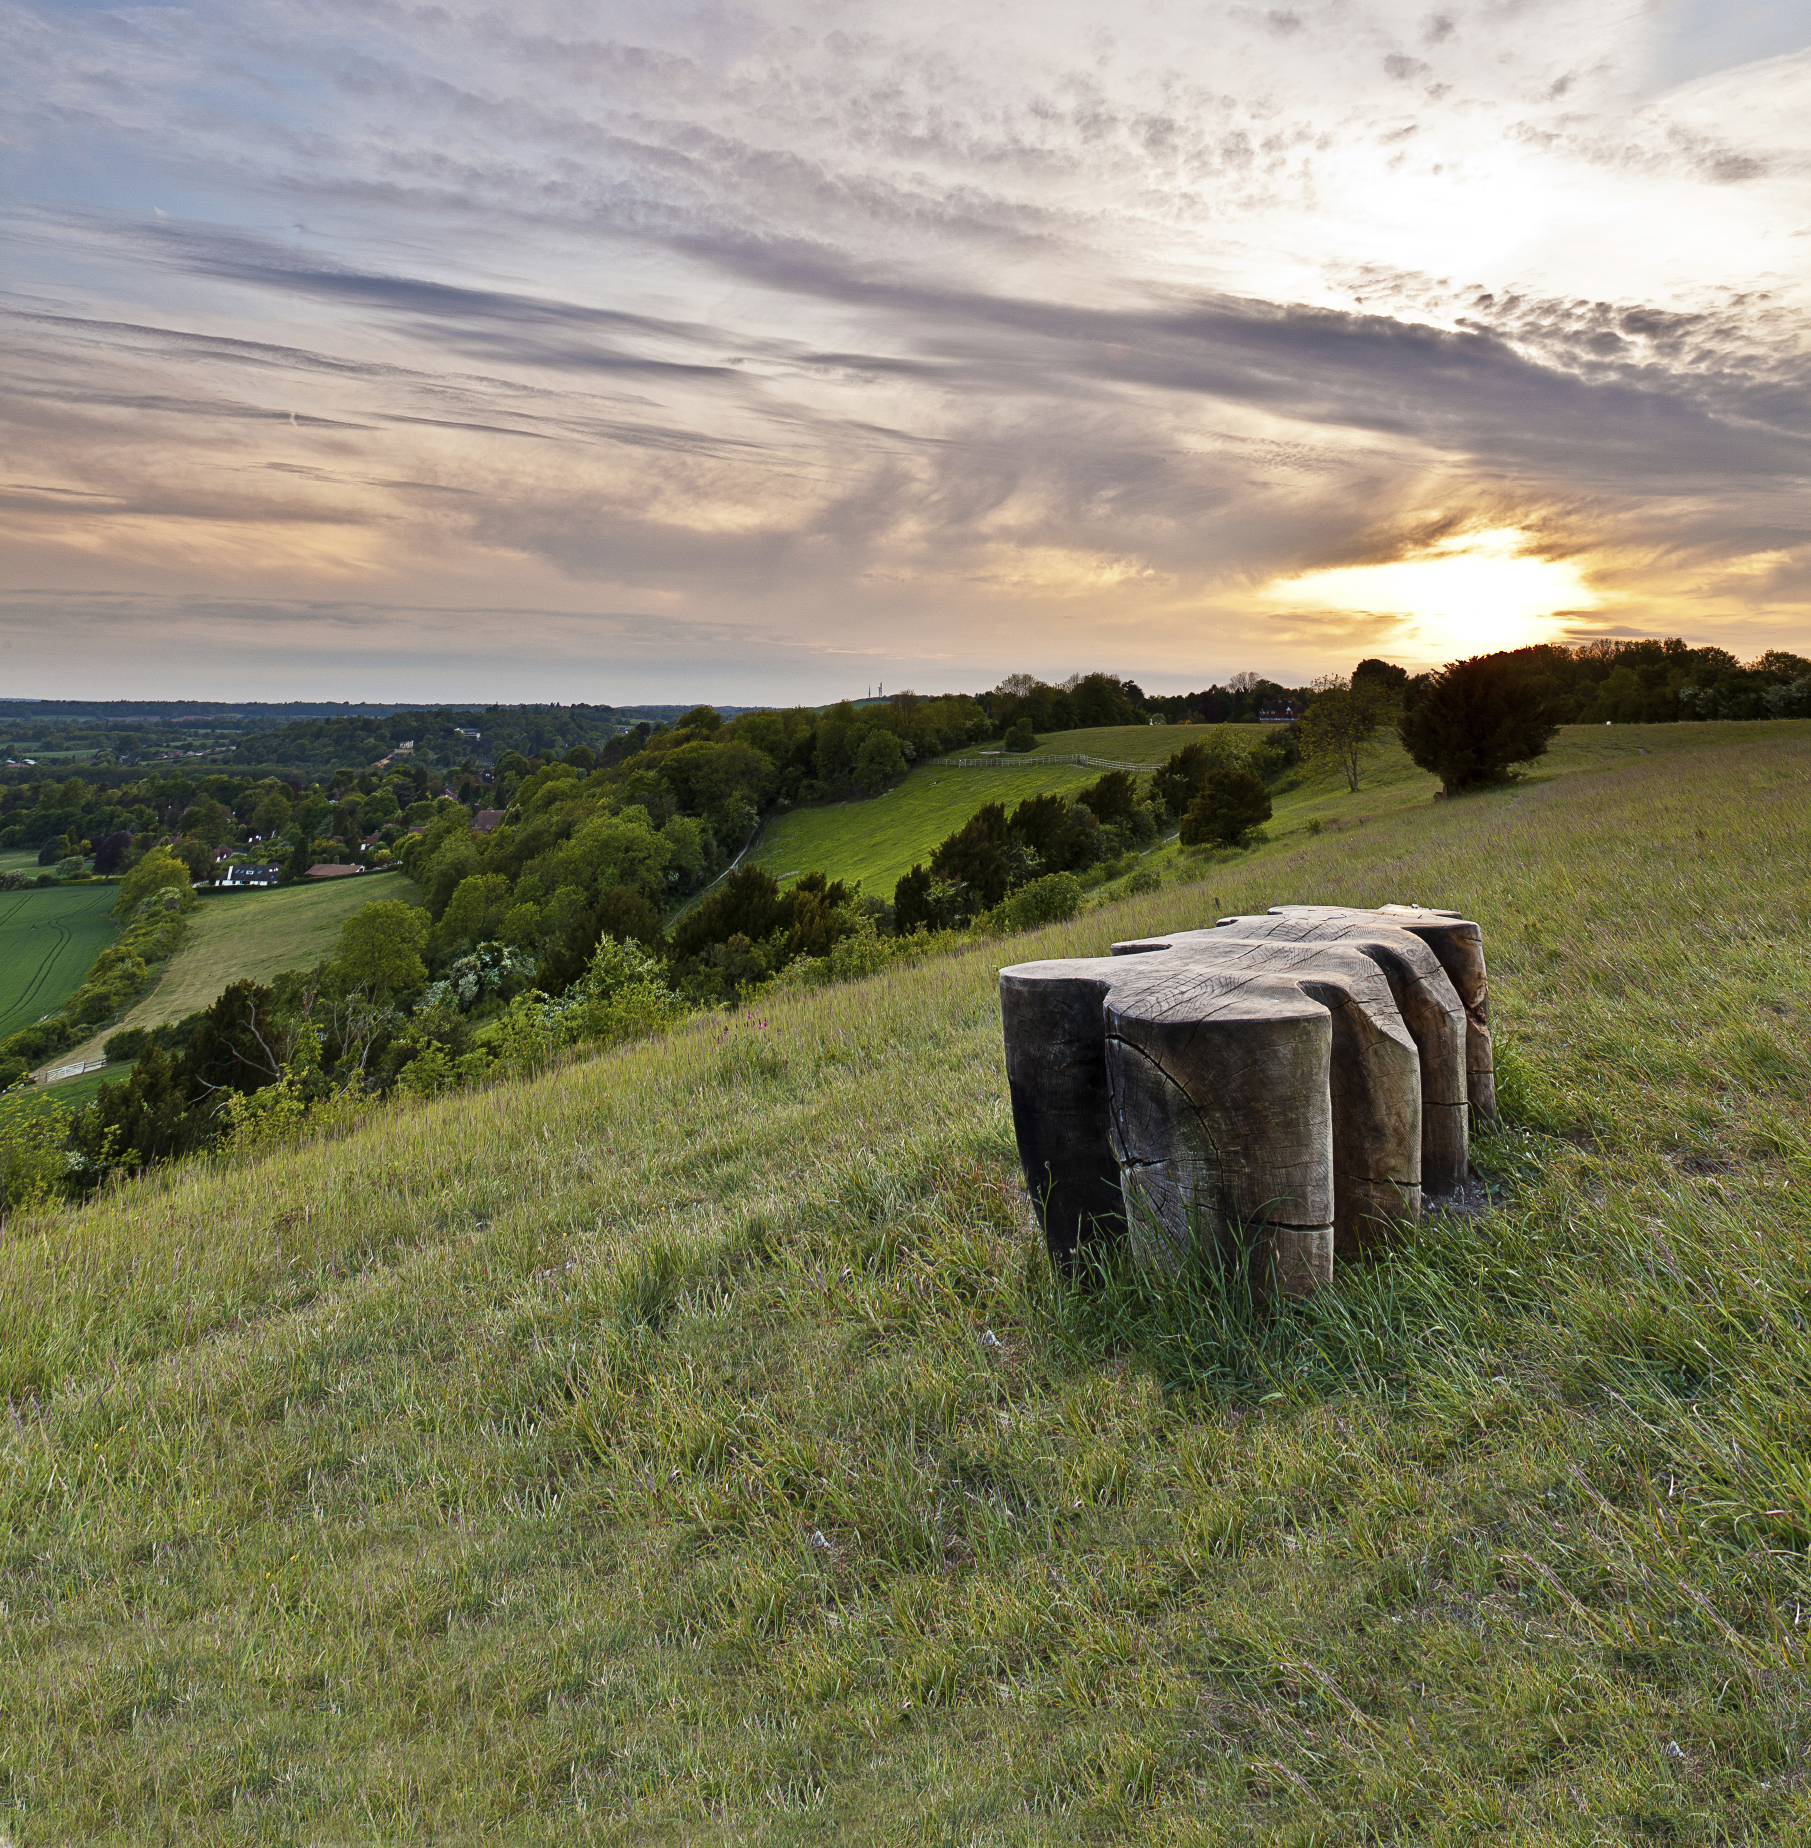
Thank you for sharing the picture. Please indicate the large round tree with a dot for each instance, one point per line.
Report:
(1476, 718)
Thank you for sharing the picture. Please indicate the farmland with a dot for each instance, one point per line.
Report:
(249, 936)
(48, 938)
(693, 1445)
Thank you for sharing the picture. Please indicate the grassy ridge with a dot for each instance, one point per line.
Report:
(877, 840)
(689, 1446)
(48, 939)
(250, 936)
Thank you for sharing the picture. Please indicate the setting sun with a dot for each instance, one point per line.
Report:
(1467, 595)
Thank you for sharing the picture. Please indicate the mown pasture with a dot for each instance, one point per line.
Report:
(692, 1445)
(250, 936)
(876, 839)
(48, 938)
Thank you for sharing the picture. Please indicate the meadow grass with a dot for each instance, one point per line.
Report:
(49, 938)
(1127, 744)
(875, 839)
(693, 1445)
(249, 936)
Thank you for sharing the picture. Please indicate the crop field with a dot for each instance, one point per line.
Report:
(692, 1445)
(48, 939)
(250, 936)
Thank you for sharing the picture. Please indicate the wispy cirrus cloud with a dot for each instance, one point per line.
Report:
(976, 340)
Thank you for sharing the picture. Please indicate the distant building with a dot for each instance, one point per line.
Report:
(244, 875)
(327, 870)
(465, 731)
(1277, 712)
(485, 820)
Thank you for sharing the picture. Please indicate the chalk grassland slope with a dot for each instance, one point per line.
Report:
(48, 939)
(878, 839)
(691, 1446)
(250, 936)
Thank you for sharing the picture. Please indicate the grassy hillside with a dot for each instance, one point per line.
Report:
(1129, 744)
(878, 839)
(249, 936)
(48, 938)
(691, 1446)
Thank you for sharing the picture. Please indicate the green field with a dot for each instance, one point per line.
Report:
(692, 1446)
(877, 839)
(248, 936)
(1127, 744)
(48, 939)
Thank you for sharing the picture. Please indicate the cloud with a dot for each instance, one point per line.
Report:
(960, 335)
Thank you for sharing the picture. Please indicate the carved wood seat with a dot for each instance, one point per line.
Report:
(1289, 1083)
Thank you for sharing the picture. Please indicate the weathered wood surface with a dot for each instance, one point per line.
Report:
(1290, 1082)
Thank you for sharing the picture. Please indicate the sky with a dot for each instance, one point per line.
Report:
(794, 349)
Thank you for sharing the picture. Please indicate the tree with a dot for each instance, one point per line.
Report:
(473, 914)
(380, 946)
(271, 816)
(1185, 772)
(1059, 836)
(912, 908)
(620, 912)
(879, 761)
(1232, 806)
(975, 857)
(1113, 798)
(157, 870)
(1343, 719)
(1021, 737)
(1476, 718)
(209, 821)
(197, 856)
(109, 851)
(1391, 678)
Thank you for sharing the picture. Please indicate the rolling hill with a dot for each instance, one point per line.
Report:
(693, 1444)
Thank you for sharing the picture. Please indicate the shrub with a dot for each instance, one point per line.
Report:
(32, 1159)
(158, 872)
(1232, 806)
(1474, 719)
(1021, 737)
(127, 1044)
(1053, 899)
